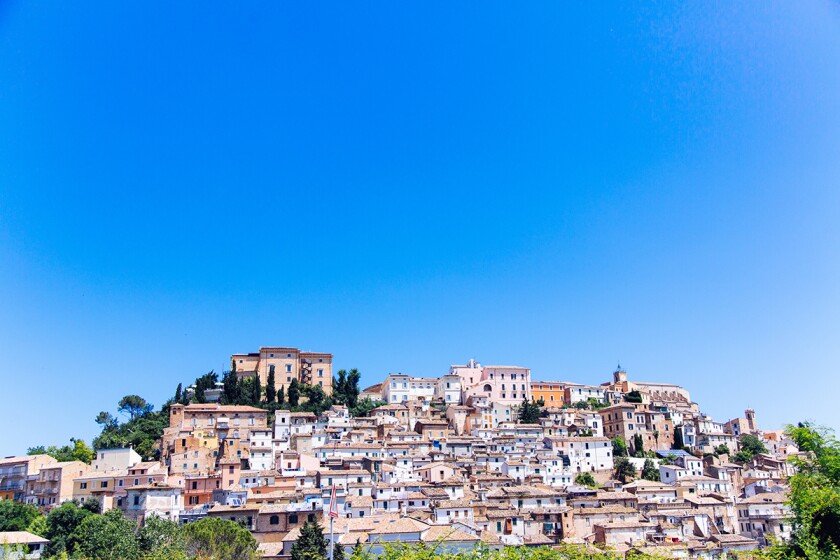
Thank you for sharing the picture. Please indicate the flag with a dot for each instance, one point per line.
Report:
(333, 505)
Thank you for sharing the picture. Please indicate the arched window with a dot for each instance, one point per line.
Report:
(274, 520)
(488, 388)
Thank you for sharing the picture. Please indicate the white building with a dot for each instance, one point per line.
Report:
(117, 459)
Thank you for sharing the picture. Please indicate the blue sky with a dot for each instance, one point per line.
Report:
(408, 186)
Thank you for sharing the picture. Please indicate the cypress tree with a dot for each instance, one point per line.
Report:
(294, 393)
(256, 395)
(311, 544)
(281, 395)
(270, 392)
(178, 394)
(678, 438)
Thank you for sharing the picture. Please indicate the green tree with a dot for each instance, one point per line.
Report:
(359, 552)
(721, 449)
(649, 471)
(230, 387)
(294, 392)
(78, 451)
(281, 396)
(109, 536)
(316, 398)
(62, 523)
(219, 539)
(311, 544)
(351, 388)
(750, 446)
(256, 391)
(16, 516)
(134, 406)
(624, 469)
(619, 447)
(340, 387)
(814, 497)
(638, 445)
(178, 394)
(364, 406)
(585, 479)
(528, 412)
(270, 390)
(633, 397)
(141, 433)
(338, 551)
(678, 438)
(161, 539)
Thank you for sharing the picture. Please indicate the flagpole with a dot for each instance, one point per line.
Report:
(333, 513)
(332, 537)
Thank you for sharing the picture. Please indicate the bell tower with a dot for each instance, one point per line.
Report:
(619, 375)
(750, 414)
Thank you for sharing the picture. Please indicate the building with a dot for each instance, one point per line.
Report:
(552, 393)
(310, 368)
(115, 459)
(157, 499)
(15, 545)
(53, 484)
(14, 471)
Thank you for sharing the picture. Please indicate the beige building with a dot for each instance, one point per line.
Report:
(54, 484)
(310, 368)
(14, 471)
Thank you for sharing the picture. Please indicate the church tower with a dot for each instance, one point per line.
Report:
(619, 375)
(750, 414)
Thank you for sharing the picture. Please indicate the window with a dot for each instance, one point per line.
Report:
(288, 368)
(121, 483)
(136, 500)
(274, 520)
(320, 373)
(103, 484)
(137, 480)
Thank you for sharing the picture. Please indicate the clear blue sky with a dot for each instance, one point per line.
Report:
(410, 185)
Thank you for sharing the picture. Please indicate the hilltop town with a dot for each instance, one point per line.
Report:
(482, 454)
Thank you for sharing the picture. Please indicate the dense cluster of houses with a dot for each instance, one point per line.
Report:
(446, 460)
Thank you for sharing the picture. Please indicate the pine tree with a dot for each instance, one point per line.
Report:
(529, 412)
(678, 438)
(340, 387)
(649, 471)
(338, 551)
(231, 387)
(270, 392)
(294, 393)
(359, 552)
(351, 388)
(638, 445)
(281, 395)
(311, 544)
(256, 394)
(178, 393)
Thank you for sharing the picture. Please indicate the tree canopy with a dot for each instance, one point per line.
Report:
(814, 496)
(134, 405)
(311, 544)
(528, 412)
(219, 539)
(141, 432)
(16, 516)
(750, 447)
(78, 450)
